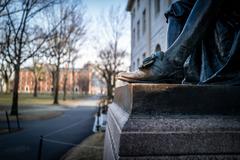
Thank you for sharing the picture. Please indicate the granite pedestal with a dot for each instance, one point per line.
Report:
(168, 122)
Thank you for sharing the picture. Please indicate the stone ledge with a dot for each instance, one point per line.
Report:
(185, 157)
(160, 99)
(174, 122)
(141, 136)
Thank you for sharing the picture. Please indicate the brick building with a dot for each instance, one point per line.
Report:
(82, 80)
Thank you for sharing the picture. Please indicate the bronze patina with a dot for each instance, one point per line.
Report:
(203, 46)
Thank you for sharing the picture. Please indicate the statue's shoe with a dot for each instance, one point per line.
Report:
(155, 69)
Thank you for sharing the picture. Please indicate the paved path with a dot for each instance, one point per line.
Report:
(23, 145)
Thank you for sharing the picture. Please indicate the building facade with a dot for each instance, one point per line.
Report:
(148, 28)
(82, 81)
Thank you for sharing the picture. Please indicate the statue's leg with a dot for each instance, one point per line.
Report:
(175, 27)
(202, 14)
(171, 65)
(176, 18)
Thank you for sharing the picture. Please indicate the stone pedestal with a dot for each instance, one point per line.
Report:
(168, 122)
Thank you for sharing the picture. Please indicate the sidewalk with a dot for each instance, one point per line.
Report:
(58, 133)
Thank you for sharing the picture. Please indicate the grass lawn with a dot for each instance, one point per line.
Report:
(42, 99)
(39, 115)
(90, 149)
(5, 130)
(27, 101)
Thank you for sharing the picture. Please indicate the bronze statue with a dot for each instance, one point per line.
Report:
(204, 46)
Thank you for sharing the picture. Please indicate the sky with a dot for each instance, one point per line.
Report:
(94, 9)
(96, 6)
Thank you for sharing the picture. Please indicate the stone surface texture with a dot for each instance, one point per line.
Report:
(168, 122)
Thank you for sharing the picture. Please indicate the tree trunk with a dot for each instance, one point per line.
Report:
(6, 81)
(35, 87)
(109, 90)
(14, 109)
(73, 85)
(64, 88)
(56, 89)
(53, 82)
(1, 87)
(110, 93)
(7, 87)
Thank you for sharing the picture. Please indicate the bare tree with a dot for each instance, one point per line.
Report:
(6, 69)
(68, 34)
(72, 57)
(6, 72)
(18, 35)
(37, 70)
(111, 57)
(3, 5)
(110, 62)
(51, 68)
(73, 60)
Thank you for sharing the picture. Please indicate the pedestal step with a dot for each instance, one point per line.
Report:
(159, 121)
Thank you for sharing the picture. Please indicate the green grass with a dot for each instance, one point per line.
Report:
(28, 99)
(5, 130)
(39, 115)
(25, 99)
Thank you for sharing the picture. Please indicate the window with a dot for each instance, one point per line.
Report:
(133, 66)
(169, 2)
(133, 13)
(144, 55)
(138, 4)
(157, 6)
(138, 62)
(138, 29)
(76, 89)
(133, 37)
(144, 21)
(158, 48)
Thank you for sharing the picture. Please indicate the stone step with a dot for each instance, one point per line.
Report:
(173, 122)
(159, 99)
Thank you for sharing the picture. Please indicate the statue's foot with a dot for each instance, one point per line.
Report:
(155, 69)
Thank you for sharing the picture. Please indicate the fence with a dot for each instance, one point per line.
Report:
(46, 138)
(9, 122)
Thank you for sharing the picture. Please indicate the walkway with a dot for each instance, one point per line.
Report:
(24, 145)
